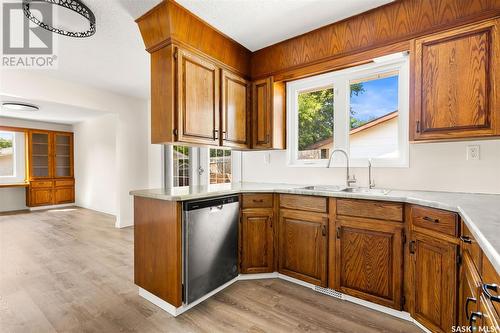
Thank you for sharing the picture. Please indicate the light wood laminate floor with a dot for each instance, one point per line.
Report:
(70, 270)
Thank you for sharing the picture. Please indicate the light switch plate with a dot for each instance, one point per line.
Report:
(473, 153)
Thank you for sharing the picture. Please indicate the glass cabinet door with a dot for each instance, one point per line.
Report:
(63, 155)
(40, 155)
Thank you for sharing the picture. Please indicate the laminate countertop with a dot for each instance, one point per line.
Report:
(480, 212)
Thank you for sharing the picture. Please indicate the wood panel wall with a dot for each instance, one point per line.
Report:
(393, 23)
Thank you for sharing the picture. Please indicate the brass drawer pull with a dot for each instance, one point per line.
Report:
(430, 219)
(258, 201)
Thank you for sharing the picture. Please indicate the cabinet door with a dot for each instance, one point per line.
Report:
(64, 195)
(303, 245)
(198, 99)
(470, 284)
(63, 155)
(257, 241)
(455, 74)
(41, 197)
(262, 100)
(434, 270)
(41, 154)
(235, 115)
(368, 260)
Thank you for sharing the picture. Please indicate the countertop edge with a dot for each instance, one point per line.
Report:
(490, 252)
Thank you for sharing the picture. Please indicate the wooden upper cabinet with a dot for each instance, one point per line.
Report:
(41, 154)
(456, 74)
(303, 240)
(434, 269)
(235, 110)
(198, 99)
(63, 155)
(257, 241)
(368, 261)
(268, 114)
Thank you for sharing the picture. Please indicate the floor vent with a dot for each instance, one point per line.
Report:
(329, 292)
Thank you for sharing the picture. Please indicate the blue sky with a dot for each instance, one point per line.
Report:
(379, 98)
(6, 136)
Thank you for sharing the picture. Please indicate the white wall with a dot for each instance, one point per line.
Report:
(95, 164)
(132, 141)
(433, 167)
(12, 199)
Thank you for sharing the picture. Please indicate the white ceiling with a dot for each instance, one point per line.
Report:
(114, 59)
(259, 23)
(48, 112)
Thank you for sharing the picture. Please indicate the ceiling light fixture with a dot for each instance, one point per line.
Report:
(74, 5)
(15, 106)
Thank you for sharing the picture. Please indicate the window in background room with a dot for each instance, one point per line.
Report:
(362, 109)
(7, 154)
(220, 166)
(181, 166)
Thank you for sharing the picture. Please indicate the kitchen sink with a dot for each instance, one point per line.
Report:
(324, 188)
(366, 190)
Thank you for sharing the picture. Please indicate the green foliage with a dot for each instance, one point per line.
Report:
(316, 115)
(4, 143)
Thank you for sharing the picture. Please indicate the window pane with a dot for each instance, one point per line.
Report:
(315, 139)
(374, 117)
(6, 154)
(181, 166)
(220, 166)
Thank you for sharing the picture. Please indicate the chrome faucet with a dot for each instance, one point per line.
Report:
(349, 180)
(371, 182)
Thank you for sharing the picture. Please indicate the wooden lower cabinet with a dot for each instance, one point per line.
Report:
(40, 196)
(257, 241)
(469, 292)
(368, 260)
(64, 195)
(303, 238)
(434, 268)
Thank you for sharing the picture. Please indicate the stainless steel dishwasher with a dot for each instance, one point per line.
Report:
(210, 245)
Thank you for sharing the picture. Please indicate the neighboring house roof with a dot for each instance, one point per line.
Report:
(361, 128)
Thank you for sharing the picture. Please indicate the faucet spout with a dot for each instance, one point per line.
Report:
(349, 181)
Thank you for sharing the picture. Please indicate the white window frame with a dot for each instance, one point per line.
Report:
(199, 162)
(19, 159)
(340, 81)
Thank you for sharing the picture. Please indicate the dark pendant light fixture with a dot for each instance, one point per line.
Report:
(74, 5)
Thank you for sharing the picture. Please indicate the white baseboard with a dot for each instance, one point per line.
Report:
(33, 209)
(242, 277)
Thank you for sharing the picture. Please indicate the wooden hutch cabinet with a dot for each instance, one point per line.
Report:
(50, 171)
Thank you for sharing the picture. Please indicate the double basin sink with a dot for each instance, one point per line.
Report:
(334, 188)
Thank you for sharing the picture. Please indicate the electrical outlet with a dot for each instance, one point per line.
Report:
(473, 153)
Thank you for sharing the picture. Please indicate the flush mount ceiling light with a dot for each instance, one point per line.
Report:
(73, 5)
(15, 106)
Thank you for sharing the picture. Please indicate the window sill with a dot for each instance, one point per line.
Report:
(14, 185)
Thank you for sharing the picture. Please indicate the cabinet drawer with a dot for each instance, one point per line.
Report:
(490, 277)
(40, 184)
(257, 200)
(60, 183)
(435, 219)
(380, 210)
(304, 202)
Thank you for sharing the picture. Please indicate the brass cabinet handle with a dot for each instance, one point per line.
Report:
(430, 219)
(486, 288)
(258, 201)
(469, 299)
(466, 239)
(338, 232)
(323, 230)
